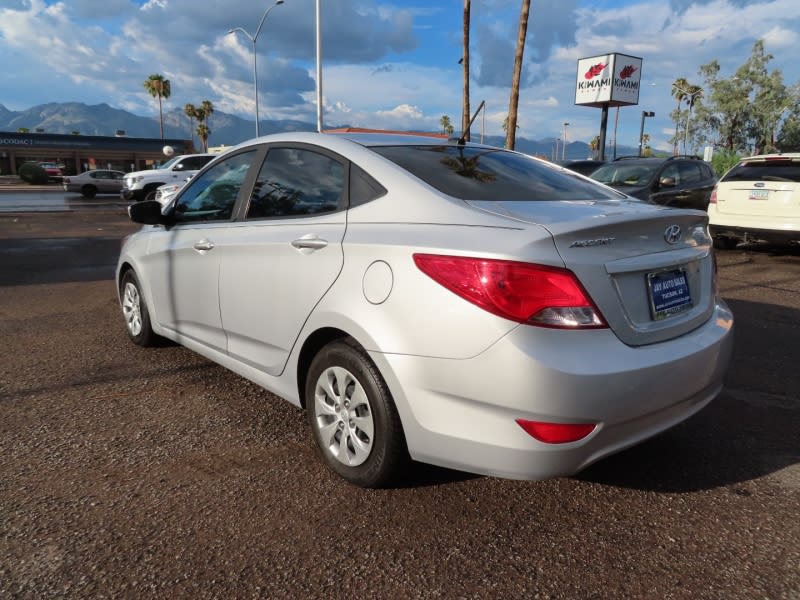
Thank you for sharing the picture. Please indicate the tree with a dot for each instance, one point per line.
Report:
(511, 130)
(190, 110)
(447, 126)
(744, 111)
(203, 132)
(594, 146)
(208, 109)
(158, 87)
(23, 130)
(465, 116)
(679, 87)
(646, 149)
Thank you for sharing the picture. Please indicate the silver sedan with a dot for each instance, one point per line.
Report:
(444, 302)
(97, 181)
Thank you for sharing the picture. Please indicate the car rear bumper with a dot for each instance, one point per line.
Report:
(462, 413)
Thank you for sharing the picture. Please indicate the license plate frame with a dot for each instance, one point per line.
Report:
(758, 195)
(669, 293)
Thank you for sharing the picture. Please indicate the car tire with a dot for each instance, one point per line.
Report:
(725, 243)
(353, 417)
(88, 191)
(135, 311)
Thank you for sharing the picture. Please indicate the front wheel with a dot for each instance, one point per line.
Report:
(353, 416)
(134, 309)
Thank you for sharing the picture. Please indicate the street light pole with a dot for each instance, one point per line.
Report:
(645, 114)
(253, 39)
(564, 145)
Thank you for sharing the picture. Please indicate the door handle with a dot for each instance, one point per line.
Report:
(311, 243)
(204, 244)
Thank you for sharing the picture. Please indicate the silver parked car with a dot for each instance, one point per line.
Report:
(97, 181)
(452, 303)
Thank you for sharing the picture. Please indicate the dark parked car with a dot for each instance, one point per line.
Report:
(679, 181)
(584, 167)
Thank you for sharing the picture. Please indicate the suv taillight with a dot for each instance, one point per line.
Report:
(713, 198)
(523, 292)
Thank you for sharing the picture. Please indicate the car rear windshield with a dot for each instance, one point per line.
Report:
(771, 170)
(479, 173)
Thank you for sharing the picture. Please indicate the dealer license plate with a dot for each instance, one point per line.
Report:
(669, 293)
(758, 195)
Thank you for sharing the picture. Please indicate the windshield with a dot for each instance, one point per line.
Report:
(169, 163)
(482, 173)
(621, 174)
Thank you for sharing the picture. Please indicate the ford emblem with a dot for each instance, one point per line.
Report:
(672, 234)
(759, 184)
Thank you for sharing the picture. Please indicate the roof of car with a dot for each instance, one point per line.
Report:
(764, 157)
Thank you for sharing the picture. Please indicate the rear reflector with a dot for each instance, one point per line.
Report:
(523, 292)
(556, 433)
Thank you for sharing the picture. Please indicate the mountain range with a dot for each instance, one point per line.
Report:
(226, 129)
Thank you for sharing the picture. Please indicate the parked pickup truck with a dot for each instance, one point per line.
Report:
(142, 184)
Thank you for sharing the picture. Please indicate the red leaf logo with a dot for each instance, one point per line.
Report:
(627, 72)
(594, 71)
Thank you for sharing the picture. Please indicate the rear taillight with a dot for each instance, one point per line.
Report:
(556, 433)
(66, 179)
(523, 292)
(713, 198)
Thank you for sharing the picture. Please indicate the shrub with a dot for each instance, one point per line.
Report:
(722, 160)
(33, 174)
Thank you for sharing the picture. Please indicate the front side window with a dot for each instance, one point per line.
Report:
(212, 195)
(296, 182)
(480, 173)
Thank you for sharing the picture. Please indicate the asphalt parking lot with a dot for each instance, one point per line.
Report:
(131, 472)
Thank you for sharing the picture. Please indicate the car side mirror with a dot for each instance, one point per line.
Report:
(147, 212)
(667, 182)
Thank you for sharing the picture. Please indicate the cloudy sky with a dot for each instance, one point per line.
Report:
(387, 64)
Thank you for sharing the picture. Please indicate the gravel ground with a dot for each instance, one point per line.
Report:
(129, 473)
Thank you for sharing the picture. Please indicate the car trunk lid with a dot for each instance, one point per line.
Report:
(649, 269)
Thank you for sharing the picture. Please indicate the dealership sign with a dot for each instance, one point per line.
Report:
(608, 80)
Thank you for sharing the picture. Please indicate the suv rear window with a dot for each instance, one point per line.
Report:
(772, 170)
(474, 173)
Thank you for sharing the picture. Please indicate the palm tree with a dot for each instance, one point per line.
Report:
(511, 130)
(594, 146)
(679, 88)
(190, 110)
(447, 126)
(465, 116)
(158, 87)
(208, 110)
(203, 132)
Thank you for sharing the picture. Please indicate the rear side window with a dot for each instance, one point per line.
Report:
(294, 182)
(473, 173)
(773, 170)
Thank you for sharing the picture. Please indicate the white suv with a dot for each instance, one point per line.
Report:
(140, 184)
(758, 199)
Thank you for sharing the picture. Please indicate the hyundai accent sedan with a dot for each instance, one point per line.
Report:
(450, 303)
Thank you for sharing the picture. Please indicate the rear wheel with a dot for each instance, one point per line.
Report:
(353, 417)
(134, 309)
(725, 243)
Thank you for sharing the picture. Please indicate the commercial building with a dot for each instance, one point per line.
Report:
(78, 153)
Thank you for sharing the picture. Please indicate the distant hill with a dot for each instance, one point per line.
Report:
(226, 129)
